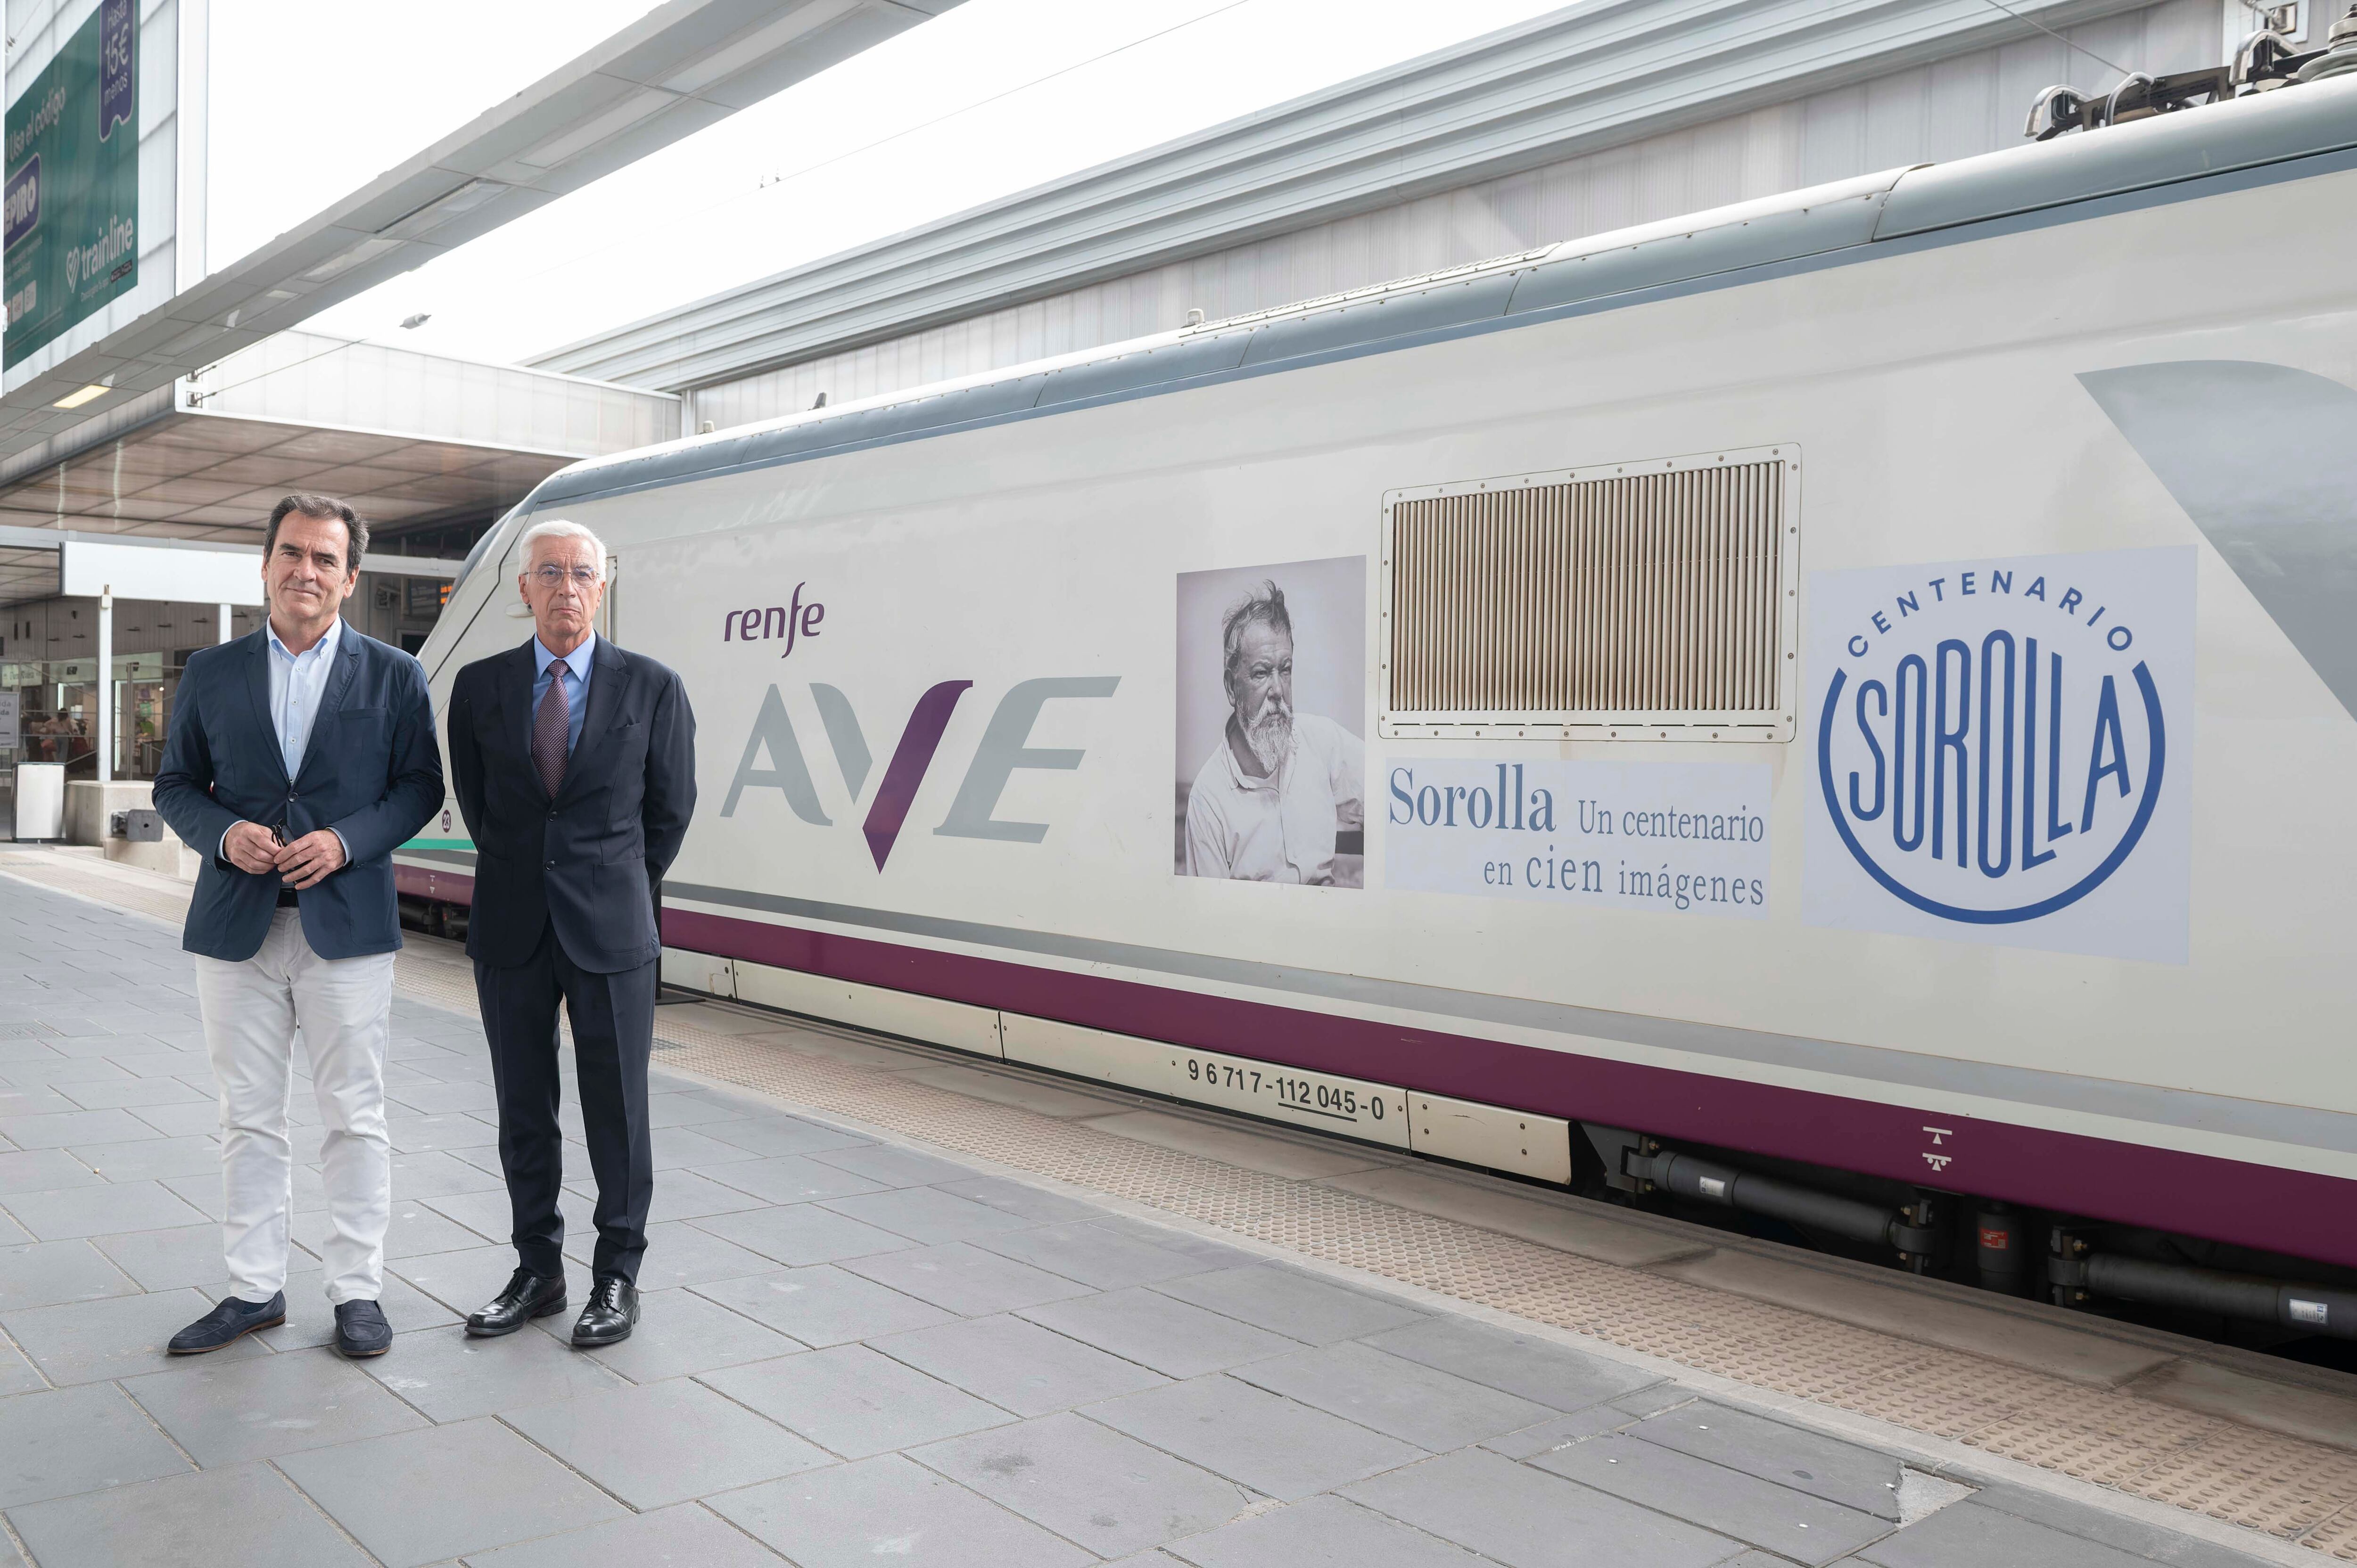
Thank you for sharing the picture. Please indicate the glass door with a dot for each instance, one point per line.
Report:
(139, 726)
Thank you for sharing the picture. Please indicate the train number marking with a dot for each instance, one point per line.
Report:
(1335, 1101)
(1373, 1111)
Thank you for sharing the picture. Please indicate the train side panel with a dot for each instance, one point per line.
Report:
(943, 689)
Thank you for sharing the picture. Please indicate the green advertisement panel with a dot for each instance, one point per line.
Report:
(72, 224)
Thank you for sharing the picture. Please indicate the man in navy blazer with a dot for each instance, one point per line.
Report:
(299, 757)
(575, 765)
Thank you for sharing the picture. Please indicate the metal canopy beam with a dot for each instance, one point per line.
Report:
(1588, 77)
(683, 66)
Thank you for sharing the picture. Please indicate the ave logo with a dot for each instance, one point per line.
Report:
(2000, 751)
(773, 758)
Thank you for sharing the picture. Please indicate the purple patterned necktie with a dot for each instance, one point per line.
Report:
(548, 728)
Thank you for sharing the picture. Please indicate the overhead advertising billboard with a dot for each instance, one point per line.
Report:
(72, 237)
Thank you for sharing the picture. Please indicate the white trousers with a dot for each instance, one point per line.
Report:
(342, 1008)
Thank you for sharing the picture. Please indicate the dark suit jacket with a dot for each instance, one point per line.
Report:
(588, 863)
(371, 771)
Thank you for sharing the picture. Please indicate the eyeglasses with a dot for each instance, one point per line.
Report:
(550, 576)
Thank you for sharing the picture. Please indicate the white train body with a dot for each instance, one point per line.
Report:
(2017, 406)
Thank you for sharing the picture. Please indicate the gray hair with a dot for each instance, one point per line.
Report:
(1265, 605)
(558, 528)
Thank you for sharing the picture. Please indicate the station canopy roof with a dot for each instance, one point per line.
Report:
(408, 439)
(174, 451)
(687, 64)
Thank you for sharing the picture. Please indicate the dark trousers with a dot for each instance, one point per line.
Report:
(613, 1031)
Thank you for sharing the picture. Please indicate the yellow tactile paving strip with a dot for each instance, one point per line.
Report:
(2286, 1487)
(2291, 1489)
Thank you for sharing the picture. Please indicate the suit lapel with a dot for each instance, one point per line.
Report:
(331, 699)
(257, 684)
(609, 670)
(515, 707)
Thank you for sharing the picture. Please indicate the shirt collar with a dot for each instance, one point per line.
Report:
(325, 647)
(578, 661)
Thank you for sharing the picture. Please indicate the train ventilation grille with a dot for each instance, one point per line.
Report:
(1635, 601)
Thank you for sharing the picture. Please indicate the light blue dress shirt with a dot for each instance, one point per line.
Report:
(576, 666)
(297, 681)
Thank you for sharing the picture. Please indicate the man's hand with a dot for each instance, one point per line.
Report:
(251, 847)
(311, 858)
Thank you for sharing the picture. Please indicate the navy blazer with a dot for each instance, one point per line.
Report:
(369, 771)
(588, 863)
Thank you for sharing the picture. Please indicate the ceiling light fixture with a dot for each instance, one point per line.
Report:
(442, 209)
(89, 393)
(758, 45)
(595, 129)
(415, 322)
(351, 256)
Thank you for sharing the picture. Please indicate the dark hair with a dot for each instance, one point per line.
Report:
(325, 509)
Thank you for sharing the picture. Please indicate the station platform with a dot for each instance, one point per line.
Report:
(901, 1303)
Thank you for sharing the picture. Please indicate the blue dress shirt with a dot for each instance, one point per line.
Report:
(297, 681)
(576, 666)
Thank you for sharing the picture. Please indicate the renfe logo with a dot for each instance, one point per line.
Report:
(791, 621)
(1002, 750)
(1994, 737)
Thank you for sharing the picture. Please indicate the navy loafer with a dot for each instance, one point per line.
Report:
(227, 1324)
(361, 1330)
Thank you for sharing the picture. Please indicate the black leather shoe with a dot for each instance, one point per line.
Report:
(528, 1295)
(361, 1330)
(227, 1324)
(612, 1313)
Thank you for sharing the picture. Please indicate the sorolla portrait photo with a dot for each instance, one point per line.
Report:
(1272, 723)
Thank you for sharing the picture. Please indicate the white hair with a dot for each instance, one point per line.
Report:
(558, 528)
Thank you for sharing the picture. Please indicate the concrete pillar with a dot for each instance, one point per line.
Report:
(106, 684)
(225, 611)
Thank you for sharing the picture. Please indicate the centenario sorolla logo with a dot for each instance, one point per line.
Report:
(1994, 738)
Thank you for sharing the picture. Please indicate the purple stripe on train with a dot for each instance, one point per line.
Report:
(2169, 1189)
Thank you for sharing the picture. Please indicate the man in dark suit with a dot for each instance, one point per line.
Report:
(300, 756)
(575, 765)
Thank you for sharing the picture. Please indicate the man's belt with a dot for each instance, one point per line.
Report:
(287, 898)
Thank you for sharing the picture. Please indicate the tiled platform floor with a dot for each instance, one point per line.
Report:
(851, 1351)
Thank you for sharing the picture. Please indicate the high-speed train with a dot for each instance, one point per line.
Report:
(1841, 708)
